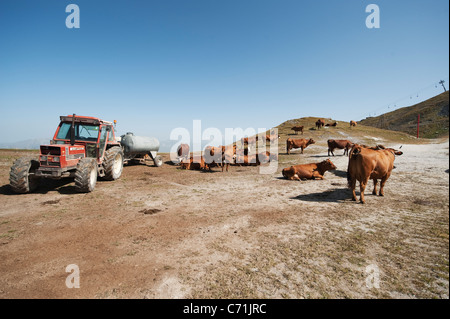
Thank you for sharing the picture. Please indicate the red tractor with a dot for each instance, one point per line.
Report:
(83, 148)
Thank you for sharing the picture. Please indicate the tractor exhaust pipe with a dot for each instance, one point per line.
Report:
(72, 131)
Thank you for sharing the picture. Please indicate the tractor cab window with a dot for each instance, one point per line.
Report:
(102, 144)
(83, 132)
(111, 134)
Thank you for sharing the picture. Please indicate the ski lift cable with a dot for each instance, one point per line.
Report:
(418, 92)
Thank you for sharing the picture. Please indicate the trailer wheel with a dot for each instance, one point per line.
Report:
(21, 177)
(86, 175)
(158, 161)
(113, 163)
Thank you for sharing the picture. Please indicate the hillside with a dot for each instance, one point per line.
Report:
(434, 118)
(361, 134)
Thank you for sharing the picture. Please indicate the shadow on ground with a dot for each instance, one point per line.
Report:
(63, 186)
(339, 173)
(337, 195)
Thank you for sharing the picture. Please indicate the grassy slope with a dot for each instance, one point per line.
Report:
(434, 116)
(360, 134)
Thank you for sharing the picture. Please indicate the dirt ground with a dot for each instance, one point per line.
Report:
(170, 233)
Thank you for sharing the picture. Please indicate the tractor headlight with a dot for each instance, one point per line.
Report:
(55, 159)
(43, 158)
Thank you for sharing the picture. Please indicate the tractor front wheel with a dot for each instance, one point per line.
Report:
(21, 177)
(113, 163)
(86, 175)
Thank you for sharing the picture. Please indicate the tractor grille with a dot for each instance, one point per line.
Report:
(49, 160)
(50, 156)
(50, 150)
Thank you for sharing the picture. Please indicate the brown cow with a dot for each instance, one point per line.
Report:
(255, 160)
(352, 124)
(213, 155)
(183, 152)
(308, 171)
(367, 163)
(297, 129)
(332, 124)
(340, 144)
(320, 123)
(199, 164)
(228, 156)
(247, 160)
(300, 143)
(222, 156)
(272, 137)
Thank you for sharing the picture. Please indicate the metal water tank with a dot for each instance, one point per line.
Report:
(139, 144)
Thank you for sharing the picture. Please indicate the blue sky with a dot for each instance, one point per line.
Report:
(156, 65)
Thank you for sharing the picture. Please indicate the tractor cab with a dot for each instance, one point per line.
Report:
(93, 134)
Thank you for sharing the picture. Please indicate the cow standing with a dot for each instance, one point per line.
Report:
(320, 123)
(222, 156)
(297, 129)
(299, 143)
(369, 163)
(345, 145)
(228, 156)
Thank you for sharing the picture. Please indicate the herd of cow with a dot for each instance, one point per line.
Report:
(364, 163)
(224, 156)
(319, 124)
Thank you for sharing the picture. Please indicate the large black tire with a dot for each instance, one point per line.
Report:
(113, 163)
(86, 175)
(21, 177)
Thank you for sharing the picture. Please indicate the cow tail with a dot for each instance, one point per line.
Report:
(349, 179)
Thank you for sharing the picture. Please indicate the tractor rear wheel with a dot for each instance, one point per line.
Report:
(21, 177)
(86, 175)
(113, 163)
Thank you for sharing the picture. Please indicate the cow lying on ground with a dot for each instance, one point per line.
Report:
(247, 160)
(299, 143)
(370, 163)
(198, 164)
(255, 160)
(331, 124)
(297, 129)
(308, 171)
(340, 144)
